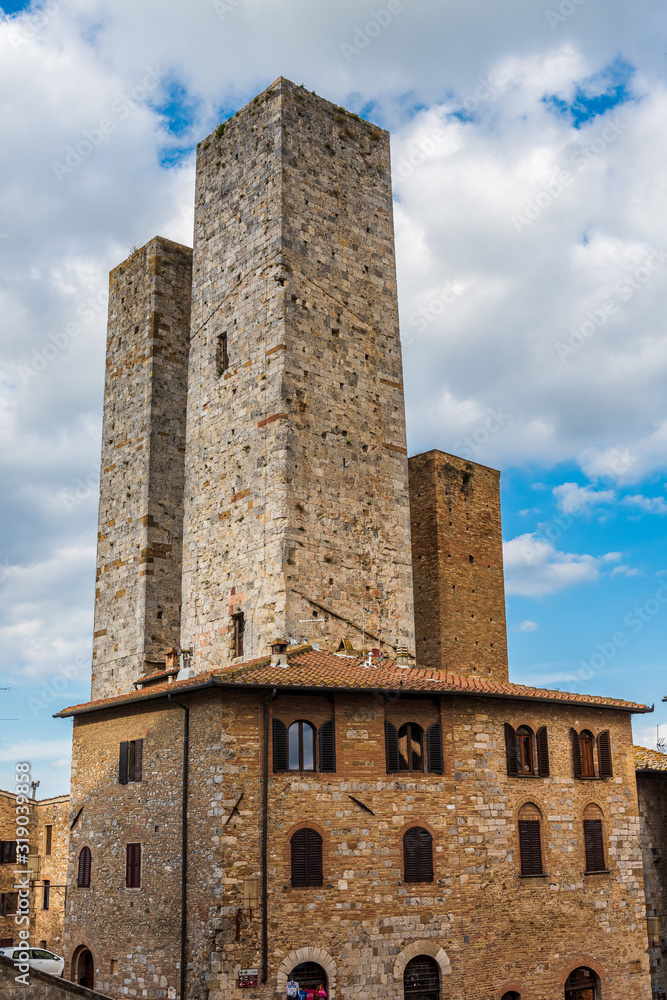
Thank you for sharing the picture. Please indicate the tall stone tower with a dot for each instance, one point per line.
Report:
(458, 566)
(138, 587)
(296, 518)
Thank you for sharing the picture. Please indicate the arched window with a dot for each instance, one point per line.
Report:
(85, 861)
(530, 845)
(410, 747)
(306, 858)
(417, 855)
(582, 984)
(301, 747)
(594, 839)
(583, 754)
(421, 979)
(524, 750)
(310, 976)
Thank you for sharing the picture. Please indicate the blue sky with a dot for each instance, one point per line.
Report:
(530, 209)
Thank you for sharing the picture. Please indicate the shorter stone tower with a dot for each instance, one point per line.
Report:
(138, 586)
(457, 560)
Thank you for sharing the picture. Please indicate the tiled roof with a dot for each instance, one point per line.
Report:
(310, 669)
(650, 760)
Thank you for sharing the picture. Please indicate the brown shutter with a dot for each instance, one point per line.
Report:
(328, 746)
(594, 845)
(410, 856)
(138, 759)
(542, 752)
(279, 745)
(604, 755)
(576, 754)
(133, 866)
(83, 875)
(306, 858)
(434, 748)
(510, 750)
(299, 870)
(391, 747)
(425, 845)
(122, 764)
(530, 849)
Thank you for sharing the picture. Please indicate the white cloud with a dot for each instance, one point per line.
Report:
(526, 626)
(649, 505)
(624, 570)
(574, 499)
(534, 568)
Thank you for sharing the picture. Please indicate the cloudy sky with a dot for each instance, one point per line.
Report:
(529, 145)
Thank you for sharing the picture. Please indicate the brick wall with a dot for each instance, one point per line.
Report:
(488, 927)
(458, 566)
(138, 587)
(296, 494)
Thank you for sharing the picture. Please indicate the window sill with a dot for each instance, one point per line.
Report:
(589, 777)
(518, 775)
(600, 871)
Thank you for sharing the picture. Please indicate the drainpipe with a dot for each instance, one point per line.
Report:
(184, 840)
(265, 841)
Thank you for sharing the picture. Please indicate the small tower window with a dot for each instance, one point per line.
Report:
(223, 356)
(239, 628)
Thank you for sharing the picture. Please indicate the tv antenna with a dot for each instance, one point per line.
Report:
(660, 741)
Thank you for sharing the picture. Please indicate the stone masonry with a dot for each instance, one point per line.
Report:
(296, 499)
(457, 559)
(652, 796)
(138, 588)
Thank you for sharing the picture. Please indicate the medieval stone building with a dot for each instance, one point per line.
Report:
(287, 773)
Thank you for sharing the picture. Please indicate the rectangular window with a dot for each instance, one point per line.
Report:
(48, 839)
(529, 847)
(653, 928)
(7, 852)
(239, 628)
(130, 762)
(133, 866)
(46, 896)
(594, 845)
(9, 903)
(223, 357)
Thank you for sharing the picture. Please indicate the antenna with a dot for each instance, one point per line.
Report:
(660, 741)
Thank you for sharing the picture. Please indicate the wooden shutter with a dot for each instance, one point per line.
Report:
(510, 750)
(391, 747)
(576, 754)
(328, 746)
(306, 858)
(434, 748)
(138, 759)
(133, 866)
(594, 845)
(83, 876)
(417, 855)
(279, 745)
(122, 763)
(604, 755)
(529, 847)
(542, 752)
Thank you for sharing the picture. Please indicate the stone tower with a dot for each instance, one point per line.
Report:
(138, 587)
(296, 518)
(458, 566)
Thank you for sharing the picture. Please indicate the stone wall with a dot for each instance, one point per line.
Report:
(489, 928)
(40, 986)
(652, 794)
(138, 587)
(457, 560)
(296, 493)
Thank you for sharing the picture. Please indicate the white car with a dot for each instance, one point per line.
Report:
(38, 958)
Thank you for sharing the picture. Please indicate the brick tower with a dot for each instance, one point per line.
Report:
(296, 498)
(458, 566)
(138, 587)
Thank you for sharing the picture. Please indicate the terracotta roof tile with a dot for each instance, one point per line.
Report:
(308, 668)
(650, 760)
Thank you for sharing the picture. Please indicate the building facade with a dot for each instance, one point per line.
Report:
(287, 794)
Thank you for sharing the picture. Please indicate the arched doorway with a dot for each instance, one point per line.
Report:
(421, 979)
(512, 995)
(582, 984)
(83, 968)
(310, 976)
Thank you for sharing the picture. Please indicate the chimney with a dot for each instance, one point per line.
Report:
(279, 652)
